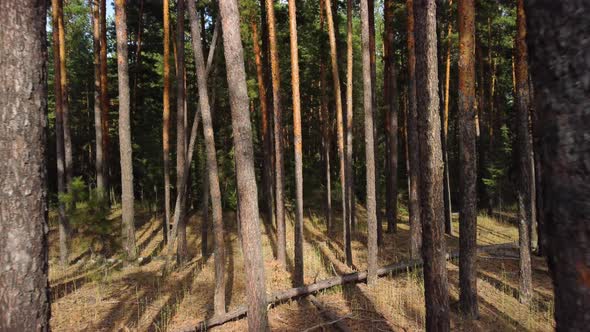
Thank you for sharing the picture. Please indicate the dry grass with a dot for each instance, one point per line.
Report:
(109, 297)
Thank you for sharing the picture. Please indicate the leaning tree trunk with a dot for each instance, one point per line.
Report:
(297, 142)
(213, 175)
(468, 161)
(99, 162)
(246, 179)
(340, 129)
(24, 304)
(278, 134)
(413, 199)
(524, 153)
(127, 199)
(431, 169)
(563, 102)
(369, 145)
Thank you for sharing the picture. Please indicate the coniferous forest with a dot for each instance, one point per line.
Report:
(294, 165)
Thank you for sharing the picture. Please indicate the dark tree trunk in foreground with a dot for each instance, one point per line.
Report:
(392, 109)
(340, 129)
(369, 146)
(99, 162)
(59, 135)
(297, 142)
(524, 155)
(326, 128)
(211, 153)
(166, 118)
(246, 179)
(468, 161)
(104, 97)
(127, 198)
(278, 134)
(563, 101)
(431, 169)
(413, 199)
(24, 304)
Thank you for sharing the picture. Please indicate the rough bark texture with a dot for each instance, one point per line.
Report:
(211, 153)
(524, 153)
(278, 134)
(561, 79)
(369, 145)
(99, 162)
(431, 169)
(392, 108)
(104, 97)
(414, 202)
(127, 198)
(373, 61)
(59, 135)
(244, 155)
(326, 128)
(468, 161)
(297, 142)
(24, 303)
(166, 118)
(340, 129)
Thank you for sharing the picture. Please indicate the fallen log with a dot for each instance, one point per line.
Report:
(335, 320)
(306, 290)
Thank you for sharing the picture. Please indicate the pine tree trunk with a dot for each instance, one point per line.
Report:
(525, 153)
(349, 113)
(369, 144)
(413, 200)
(392, 107)
(562, 101)
(24, 304)
(244, 155)
(59, 136)
(104, 97)
(297, 142)
(166, 119)
(340, 129)
(326, 128)
(445, 140)
(431, 169)
(99, 162)
(127, 198)
(373, 61)
(67, 138)
(278, 134)
(468, 161)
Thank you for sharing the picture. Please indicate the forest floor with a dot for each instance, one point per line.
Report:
(94, 295)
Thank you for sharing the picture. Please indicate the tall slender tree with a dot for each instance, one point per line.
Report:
(340, 129)
(166, 117)
(297, 142)
(558, 69)
(125, 131)
(414, 197)
(104, 97)
(326, 127)
(99, 162)
(278, 133)
(468, 161)
(244, 155)
(349, 112)
(369, 146)
(525, 154)
(63, 81)
(24, 304)
(211, 153)
(431, 169)
(59, 135)
(445, 133)
(373, 62)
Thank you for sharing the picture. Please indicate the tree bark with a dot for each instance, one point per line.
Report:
(278, 134)
(431, 169)
(349, 113)
(562, 101)
(127, 198)
(369, 145)
(211, 153)
(24, 304)
(446, 180)
(524, 153)
(104, 97)
(67, 138)
(340, 129)
(99, 162)
(413, 200)
(166, 119)
(244, 155)
(468, 161)
(326, 127)
(297, 142)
